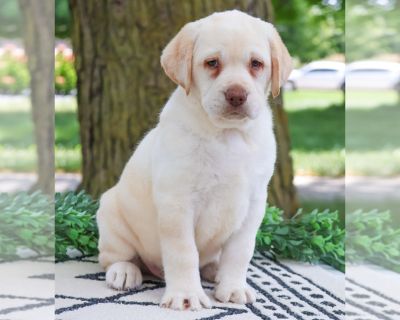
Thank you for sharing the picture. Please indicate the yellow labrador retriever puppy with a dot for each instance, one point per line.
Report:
(193, 194)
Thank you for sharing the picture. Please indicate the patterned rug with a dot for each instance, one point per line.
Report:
(372, 293)
(27, 289)
(283, 293)
(286, 290)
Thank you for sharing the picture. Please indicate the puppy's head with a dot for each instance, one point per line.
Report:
(229, 61)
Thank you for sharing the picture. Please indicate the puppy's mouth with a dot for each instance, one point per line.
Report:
(235, 114)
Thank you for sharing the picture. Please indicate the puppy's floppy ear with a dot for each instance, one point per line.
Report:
(280, 60)
(176, 58)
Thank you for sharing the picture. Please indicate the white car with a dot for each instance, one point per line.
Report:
(322, 74)
(373, 75)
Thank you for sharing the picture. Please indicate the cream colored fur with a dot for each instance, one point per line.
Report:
(193, 193)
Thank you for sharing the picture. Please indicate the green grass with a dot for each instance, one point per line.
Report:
(17, 149)
(368, 125)
(316, 99)
(16, 127)
(17, 159)
(330, 163)
(373, 129)
(382, 163)
(319, 126)
(66, 129)
(68, 159)
(68, 149)
(317, 131)
(24, 160)
(372, 133)
(370, 99)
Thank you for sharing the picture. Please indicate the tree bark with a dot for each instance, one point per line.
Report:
(121, 86)
(38, 29)
(281, 191)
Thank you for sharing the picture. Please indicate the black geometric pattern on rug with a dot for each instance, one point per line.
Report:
(364, 302)
(27, 303)
(44, 276)
(282, 294)
(291, 295)
(147, 285)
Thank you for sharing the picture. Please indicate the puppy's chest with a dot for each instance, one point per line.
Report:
(221, 162)
(222, 185)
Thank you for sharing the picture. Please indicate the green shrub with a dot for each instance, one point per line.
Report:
(26, 222)
(14, 74)
(24, 159)
(312, 237)
(26, 225)
(76, 229)
(64, 74)
(17, 159)
(373, 237)
(68, 159)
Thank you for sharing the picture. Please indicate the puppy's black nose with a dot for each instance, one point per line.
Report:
(236, 95)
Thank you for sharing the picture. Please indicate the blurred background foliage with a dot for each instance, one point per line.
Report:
(311, 29)
(372, 28)
(14, 73)
(10, 19)
(305, 25)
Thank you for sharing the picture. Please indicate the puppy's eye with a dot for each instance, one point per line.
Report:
(213, 64)
(255, 64)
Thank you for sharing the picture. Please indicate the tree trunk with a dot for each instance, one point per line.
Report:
(38, 18)
(121, 86)
(281, 191)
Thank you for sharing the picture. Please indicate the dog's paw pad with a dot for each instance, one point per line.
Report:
(185, 300)
(123, 276)
(236, 294)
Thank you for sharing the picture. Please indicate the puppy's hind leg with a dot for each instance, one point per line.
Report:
(116, 253)
(209, 271)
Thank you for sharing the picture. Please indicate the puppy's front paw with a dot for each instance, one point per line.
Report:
(185, 300)
(231, 292)
(123, 276)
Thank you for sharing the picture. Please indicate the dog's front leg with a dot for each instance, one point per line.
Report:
(236, 255)
(180, 259)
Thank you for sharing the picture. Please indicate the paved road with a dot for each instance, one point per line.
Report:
(320, 188)
(13, 182)
(312, 188)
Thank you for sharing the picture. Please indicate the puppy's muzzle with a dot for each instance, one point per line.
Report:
(236, 97)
